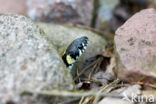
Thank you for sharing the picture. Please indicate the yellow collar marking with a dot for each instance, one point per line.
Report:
(70, 60)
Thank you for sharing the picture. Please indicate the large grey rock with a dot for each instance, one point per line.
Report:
(62, 36)
(136, 44)
(61, 11)
(27, 60)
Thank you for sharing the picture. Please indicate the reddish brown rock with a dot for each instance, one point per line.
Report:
(13, 6)
(61, 11)
(136, 44)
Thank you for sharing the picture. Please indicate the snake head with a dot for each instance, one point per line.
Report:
(74, 51)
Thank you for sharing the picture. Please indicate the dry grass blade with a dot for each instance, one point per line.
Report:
(105, 87)
(85, 69)
(82, 99)
(147, 84)
(97, 64)
(98, 94)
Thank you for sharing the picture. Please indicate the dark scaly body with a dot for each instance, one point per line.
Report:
(74, 51)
